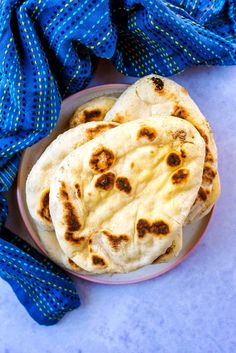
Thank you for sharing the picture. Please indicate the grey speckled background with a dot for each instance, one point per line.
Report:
(192, 309)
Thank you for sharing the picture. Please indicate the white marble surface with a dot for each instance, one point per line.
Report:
(192, 309)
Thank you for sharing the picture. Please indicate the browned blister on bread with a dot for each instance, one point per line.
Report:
(93, 110)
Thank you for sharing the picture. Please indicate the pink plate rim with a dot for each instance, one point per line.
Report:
(37, 242)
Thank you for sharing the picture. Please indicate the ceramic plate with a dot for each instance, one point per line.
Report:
(191, 235)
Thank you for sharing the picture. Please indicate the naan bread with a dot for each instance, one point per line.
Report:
(172, 251)
(154, 96)
(51, 246)
(215, 192)
(119, 201)
(39, 180)
(94, 110)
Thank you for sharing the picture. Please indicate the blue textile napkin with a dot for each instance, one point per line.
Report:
(48, 50)
(42, 287)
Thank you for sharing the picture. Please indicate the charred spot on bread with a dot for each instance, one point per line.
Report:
(63, 193)
(116, 240)
(158, 83)
(180, 112)
(99, 129)
(202, 194)
(70, 237)
(208, 175)
(92, 115)
(203, 134)
(183, 153)
(70, 217)
(44, 211)
(208, 156)
(123, 184)
(180, 176)
(158, 227)
(147, 132)
(78, 191)
(173, 160)
(105, 181)
(98, 261)
(102, 159)
(143, 227)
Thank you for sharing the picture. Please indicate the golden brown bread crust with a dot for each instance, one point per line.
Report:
(94, 110)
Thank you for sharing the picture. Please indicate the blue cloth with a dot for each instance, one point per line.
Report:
(43, 288)
(49, 49)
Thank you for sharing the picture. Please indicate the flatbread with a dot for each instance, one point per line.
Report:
(50, 243)
(154, 96)
(215, 192)
(93, 110)
(39, 180)
(119, 201)
(172, 251)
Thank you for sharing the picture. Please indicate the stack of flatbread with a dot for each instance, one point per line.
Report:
(113, 193)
